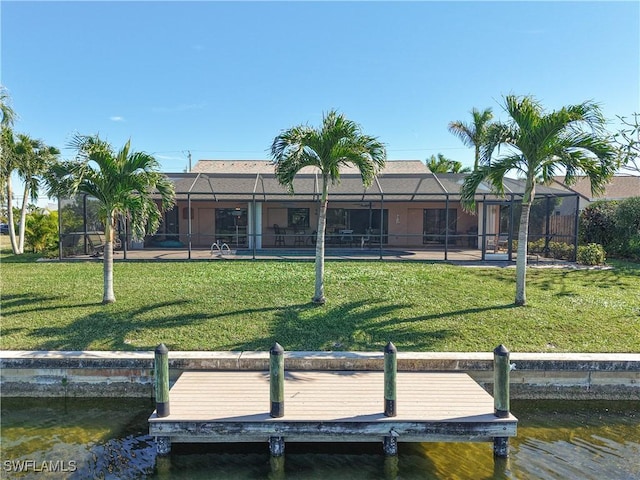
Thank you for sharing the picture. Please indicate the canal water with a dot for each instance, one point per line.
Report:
(106, 438)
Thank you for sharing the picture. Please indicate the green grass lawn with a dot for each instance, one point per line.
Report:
(247, 305)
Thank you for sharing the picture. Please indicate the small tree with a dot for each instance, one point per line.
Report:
(41, 232)
(627, 141)
(31, 159)
(540, 144)
(339, 142)
(474, 134)
(442, 164)
(124, 183)
(627, 217)
(598, 223)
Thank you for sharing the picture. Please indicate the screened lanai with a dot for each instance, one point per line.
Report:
(406, 209)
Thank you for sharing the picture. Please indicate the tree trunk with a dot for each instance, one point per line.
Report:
(318, 296)
(23, 219)
(107, 262)
(476, 162)
(523, 238)
(12, 223)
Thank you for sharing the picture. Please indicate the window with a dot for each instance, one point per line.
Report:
(434, 224)
(185, 213)
(231, 225)
(298, 217)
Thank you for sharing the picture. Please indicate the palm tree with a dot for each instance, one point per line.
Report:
(339, 142)
(540, 146)
(31, 159)
(442, 164)
(8, 114)
(6, 142)
(474, 134)
(125, 183)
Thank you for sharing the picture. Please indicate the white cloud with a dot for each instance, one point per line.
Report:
(116, 118)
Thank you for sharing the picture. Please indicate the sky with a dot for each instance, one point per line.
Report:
(221, 79)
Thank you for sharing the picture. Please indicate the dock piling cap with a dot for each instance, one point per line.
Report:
(162, 349)
(390, 348)
(501, 351)
(276, 349)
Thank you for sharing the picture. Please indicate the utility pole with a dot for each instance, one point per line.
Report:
(189, 152)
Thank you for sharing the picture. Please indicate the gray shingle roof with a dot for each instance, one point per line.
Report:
(399, 181)
(619, 188)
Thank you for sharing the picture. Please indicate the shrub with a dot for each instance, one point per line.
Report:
(627, 216)
(598, 224)
(41, 232)
(591, 254)
(561, 250)
(631, 248)
(537, 246)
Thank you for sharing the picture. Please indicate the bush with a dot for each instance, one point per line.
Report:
(631, 248)
(615, 225)
(41, 233)
(591, 254)
(627, 216)
(537, 246)
(561, 250)
(598, 224)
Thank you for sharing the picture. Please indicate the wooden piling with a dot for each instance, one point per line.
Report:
(390, 443)
(161, 366)
(390, 374)
(276, 446)
(276, 380)
(501, 368)
(277, 468)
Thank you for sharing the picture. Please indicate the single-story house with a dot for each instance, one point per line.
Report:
(241, 203)
(619, 187)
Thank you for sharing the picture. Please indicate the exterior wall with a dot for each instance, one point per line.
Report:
(203, 221)
(405, 222)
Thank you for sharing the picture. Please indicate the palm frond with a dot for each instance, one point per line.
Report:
(336, 143)
(463, 131)
(470, 186)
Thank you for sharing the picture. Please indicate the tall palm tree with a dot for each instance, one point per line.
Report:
(7, 112)
(442, 164)
(541, 145)
(125, 183)
(31, 159)
(6, 142)
(338, 142)
(474, 134)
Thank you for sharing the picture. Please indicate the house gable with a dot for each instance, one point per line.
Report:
(619, 188)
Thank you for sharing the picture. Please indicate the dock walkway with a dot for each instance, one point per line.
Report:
(329, 407)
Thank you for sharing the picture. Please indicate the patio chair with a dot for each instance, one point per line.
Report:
(280, 233)
(299, 238)
(497, 243)
(96, 244)
(346, 237)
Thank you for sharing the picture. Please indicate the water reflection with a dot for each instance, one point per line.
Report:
(106, 438)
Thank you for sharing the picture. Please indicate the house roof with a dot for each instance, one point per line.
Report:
(400, 180)
(265, 167)
(619, 188)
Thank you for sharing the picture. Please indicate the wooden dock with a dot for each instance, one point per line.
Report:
(329, 407)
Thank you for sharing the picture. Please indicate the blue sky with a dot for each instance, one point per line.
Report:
(222, 79)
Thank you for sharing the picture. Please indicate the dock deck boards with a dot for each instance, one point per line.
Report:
(329, 406)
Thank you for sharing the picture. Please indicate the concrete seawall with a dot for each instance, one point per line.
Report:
(130, 374)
